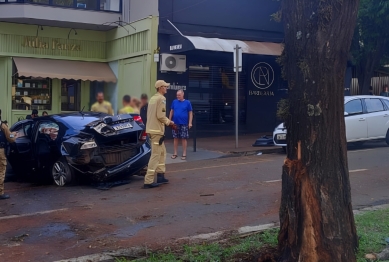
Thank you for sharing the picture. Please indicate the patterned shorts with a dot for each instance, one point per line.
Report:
(182, 131)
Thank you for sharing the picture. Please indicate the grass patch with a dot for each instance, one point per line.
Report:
(372, 228)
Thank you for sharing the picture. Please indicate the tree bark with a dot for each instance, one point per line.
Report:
(317, 222)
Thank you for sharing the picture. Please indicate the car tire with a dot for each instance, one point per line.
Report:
(387, 137)
(359, 143)
(284, 149)
(62, 173)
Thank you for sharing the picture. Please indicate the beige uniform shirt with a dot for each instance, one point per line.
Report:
(156, 115)
(104, 107)
(8, 133)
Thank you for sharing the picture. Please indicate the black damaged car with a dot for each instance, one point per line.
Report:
(66, 145)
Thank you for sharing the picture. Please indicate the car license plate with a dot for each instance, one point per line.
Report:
(281, 137)
(122, 126)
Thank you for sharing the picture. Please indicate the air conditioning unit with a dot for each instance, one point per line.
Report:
(173, 63)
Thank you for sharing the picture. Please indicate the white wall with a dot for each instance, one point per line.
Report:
(142, 8)
(112, 88)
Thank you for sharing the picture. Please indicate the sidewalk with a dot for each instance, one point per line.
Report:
(215, 147)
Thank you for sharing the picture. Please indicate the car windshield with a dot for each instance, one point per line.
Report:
(78, 123)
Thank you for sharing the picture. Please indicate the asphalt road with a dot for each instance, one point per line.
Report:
(47, 223)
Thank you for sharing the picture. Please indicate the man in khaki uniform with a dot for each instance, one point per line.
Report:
(156, 122)
(5, 137)
(101, 105)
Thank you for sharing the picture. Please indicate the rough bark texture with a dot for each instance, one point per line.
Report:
(317, 222)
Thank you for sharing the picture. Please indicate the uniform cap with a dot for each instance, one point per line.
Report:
(160, 83)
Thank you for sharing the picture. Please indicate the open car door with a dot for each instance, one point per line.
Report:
(20, 153)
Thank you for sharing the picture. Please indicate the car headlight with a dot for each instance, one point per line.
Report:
(89, 145)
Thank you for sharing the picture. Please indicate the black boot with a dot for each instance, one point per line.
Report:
(148, 186)
(161, 179)
(4, 196)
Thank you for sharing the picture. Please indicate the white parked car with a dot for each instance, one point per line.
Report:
(366, 118)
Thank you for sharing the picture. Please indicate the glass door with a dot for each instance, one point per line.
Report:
(70, 95)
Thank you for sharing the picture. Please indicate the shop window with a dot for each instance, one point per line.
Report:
(211, 91)
(87, 4)
(68, 3)
(110, 5)
(31, 93)
(70, 95)
(40, 1)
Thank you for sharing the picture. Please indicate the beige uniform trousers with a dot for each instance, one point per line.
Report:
(3, 167)
(157, 159)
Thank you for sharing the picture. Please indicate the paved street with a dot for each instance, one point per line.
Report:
(204, 196)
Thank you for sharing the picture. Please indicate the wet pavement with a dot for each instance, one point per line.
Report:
(48, 223)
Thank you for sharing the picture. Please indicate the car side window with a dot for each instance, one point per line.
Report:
(354, 107)
(27, 128)
(19, 131)
(386, 102)
(374, 105)
(50, 129)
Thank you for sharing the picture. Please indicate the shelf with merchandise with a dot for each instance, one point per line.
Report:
(28, 93)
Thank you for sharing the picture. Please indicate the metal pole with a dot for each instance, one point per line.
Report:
(194, 133)
(236, 95)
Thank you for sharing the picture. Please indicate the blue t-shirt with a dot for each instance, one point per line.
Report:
(181, 111)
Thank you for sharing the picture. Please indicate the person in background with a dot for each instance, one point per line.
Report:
(143, 108)
(182, 115)
(371, 92)
(135, 103)
(34, 114)
(385, 91)
(44, 113)
(127, 109)
(101, 105)
(5, 137)
(156, 122)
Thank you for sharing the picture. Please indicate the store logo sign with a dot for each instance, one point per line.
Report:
(175, 47)
(262, 75)
(36, 42)
(176, 87)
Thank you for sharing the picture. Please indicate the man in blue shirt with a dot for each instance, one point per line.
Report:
(182, 115)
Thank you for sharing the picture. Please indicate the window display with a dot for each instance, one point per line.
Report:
(31, 93)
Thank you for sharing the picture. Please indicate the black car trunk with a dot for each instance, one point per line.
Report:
(118, 140)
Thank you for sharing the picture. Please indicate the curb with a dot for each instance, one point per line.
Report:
(255, 152)
(247, 230)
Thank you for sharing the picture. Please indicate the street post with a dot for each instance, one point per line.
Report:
(237, 69)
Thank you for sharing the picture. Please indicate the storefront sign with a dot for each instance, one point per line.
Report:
(262, 75)
(177, 87)
(55, 44)
(175, 47)
(261, 93)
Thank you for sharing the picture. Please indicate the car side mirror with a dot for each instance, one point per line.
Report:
(345, 114)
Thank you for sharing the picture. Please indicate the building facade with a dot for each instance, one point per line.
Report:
(55, 55)
(205, 34)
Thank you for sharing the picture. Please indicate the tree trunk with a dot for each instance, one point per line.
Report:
(317, 222)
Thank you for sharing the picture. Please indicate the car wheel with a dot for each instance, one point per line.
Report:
(387, 137)
(61, 172)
